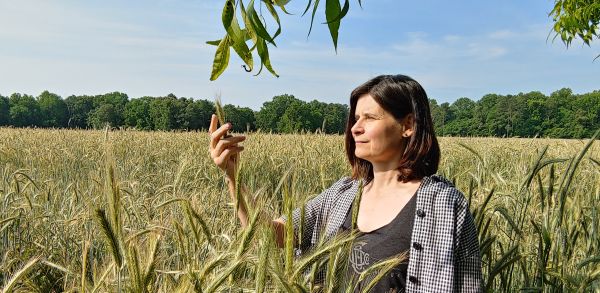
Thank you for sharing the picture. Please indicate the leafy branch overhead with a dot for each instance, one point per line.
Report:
(572, 19)
(254, 35)
(576, 19)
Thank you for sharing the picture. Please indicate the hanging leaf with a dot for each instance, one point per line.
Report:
(342, 13)
(214, 43)
(263, 52)
(307, 7)
(332, 10)
(312, 18)
(239, 38)
(281, 4)
(248, 24)
(257, 24)
(228, 13)
(221, 58)
(275, 16)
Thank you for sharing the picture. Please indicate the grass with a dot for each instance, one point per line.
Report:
(90, 211)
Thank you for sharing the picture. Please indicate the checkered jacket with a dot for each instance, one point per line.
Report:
(444, 255)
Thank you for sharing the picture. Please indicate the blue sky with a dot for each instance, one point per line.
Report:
(453, 48)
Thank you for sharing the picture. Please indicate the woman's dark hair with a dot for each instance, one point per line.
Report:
(400, 96)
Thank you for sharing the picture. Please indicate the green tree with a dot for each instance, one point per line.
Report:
(440, 115)
(105, 114)
(536, 114)
(197, 114)
(242, 118)
(461, 121)
(4, 111)
(485, 116)
(53, 110)
(557, 109)
(79, 109)
(271, 112)
(182, 119)
(137, 114)
(117, 100)
(24, 110)
(297, 117)
(162, 112)
(335, 117)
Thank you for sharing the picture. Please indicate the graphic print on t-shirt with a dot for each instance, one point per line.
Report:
(359, 259)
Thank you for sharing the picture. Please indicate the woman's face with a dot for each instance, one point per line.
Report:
(378, 136)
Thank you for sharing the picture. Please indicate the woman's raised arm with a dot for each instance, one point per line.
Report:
(224, 151)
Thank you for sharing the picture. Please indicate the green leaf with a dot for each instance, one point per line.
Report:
(228, 13)
(281, 2)
(257, 24)
(275, 16)
(221, 58)
(263, 52)
(238, 40)
(342, 13)
(312, 18)
(250, 34)
(236, 35)
(307, 7)
(333, 10)
(214, 43)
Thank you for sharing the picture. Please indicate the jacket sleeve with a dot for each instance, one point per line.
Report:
(467, 261)
(313, 216)
(312, 211)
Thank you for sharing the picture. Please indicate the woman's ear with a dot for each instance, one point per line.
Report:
(408, 125)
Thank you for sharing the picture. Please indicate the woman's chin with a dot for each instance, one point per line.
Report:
(361, 155)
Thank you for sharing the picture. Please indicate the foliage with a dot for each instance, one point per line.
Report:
(576, 19)
(4, 111)
(572, 19)
(24, 110)
(79, 110)
(561, 115)
(242, 118)
(255, 30)
(53, 110)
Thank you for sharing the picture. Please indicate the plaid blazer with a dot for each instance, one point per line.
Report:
(444, 255)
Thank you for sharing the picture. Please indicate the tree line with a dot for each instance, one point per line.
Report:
(283, 114)
(562, 114)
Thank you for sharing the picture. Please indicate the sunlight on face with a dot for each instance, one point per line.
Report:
(377, 134)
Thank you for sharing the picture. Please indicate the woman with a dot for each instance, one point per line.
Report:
(393, 151)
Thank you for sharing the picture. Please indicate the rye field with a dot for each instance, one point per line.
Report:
(131, 211)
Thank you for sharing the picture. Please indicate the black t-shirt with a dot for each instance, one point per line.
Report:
(381, 244)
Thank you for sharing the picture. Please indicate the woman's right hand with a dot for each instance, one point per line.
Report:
(224, 149)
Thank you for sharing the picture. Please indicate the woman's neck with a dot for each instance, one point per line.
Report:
(385, 181)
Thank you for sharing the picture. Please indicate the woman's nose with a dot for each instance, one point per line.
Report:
(356, 128)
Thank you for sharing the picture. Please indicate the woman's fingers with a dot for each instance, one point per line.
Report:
(213, 124)
(223, 147)
(216, 135)
(225, 143)
(222, 159)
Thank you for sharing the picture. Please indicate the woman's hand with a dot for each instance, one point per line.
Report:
(224, 149)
